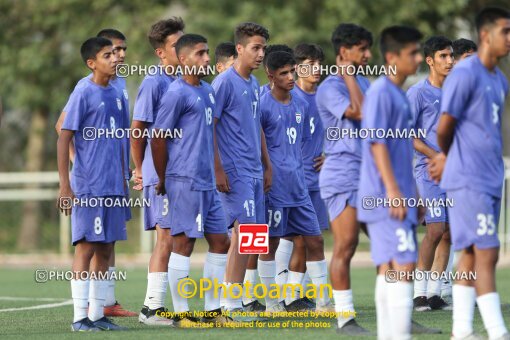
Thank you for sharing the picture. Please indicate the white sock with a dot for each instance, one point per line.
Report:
(400, 303)
(318, 271)
(214, 270)
(267, 272)
(420, 282)
(490, 310)
(97, 295)
(306, 281)
(231, 290)
(80, 295)
(223, 298)
(463, 310)
(110, 290)
(433, 288)
(382, 308)
(282, 259)
(156, 290)
(344, 307)
(251, 277)
(178, 268)
(294, 279)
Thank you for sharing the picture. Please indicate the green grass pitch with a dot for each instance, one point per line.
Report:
(54, 323)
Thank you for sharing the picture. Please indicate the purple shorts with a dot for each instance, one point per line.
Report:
(391, 239)
(154, 210)
(192, 212)
(245, 201)
(291, 221)
(474, 219)
(320, 209)
(337, 203)
(431, 191)
(98, 224)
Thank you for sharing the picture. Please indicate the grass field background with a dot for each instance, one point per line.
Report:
(54, 323)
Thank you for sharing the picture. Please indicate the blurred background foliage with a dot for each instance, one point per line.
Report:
(40, 64)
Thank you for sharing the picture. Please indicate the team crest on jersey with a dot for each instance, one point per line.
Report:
(125, 94)
(211, 97)
(298, 117)
(119, 104)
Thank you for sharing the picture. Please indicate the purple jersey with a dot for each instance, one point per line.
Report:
(475, 97)
(238, 128)
(264, 89)
(311, 148)
(120, 85)
(340, 171)
(97, 167)
(286, 127)
(146, 107)
(425, 102)
(386, 107)
(189, 108)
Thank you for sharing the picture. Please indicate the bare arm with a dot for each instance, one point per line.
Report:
(160, 158)
(65, 193)
(423, 148)
(383, 164)
(138, 146)
(445, 132)
(356, 98)
(221, 177)
(58, 127)
(266, 162)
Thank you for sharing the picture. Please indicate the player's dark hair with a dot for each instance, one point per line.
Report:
(162, 29)
(110, 33)
(224, 51)
(305, 51)
(489, 15)
(276, 48)
(279, 59)
(247, 30)
(349, 35)
(434, 44)
(91, 47)
(461, 46)
(189, 40)
(395, 38)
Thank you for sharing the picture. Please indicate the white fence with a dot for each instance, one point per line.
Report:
(14, 186)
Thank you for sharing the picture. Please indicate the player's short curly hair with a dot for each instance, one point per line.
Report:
(247, 30)
(349, 35)
(162, 29)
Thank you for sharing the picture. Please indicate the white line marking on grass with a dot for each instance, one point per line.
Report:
(16, 298)
(49, 305)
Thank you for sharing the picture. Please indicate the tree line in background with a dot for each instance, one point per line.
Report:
(40, 60)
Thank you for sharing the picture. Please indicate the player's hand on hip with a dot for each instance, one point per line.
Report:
(137, 178)
(268, 179)
(222, 180)
(319, 161)
(436, 166)
(160, 188)
(65, 200)
(397, 204)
